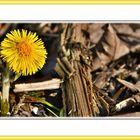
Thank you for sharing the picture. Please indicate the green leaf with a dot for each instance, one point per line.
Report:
(52, 112)
(48, 104)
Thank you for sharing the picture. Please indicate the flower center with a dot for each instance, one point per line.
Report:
(24, 49)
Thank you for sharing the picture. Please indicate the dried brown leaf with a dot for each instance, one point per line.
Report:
(109, 48)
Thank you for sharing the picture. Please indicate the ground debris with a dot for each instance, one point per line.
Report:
(92, 69)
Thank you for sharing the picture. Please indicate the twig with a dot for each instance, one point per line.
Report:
(118, 93)
(129, 85)
(45, 85)
(128, 102)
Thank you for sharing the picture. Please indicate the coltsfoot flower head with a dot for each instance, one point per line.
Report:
(23, 52)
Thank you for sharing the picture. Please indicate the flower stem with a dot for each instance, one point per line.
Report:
(5, 92)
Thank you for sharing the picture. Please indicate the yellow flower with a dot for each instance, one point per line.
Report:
(23, 52)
